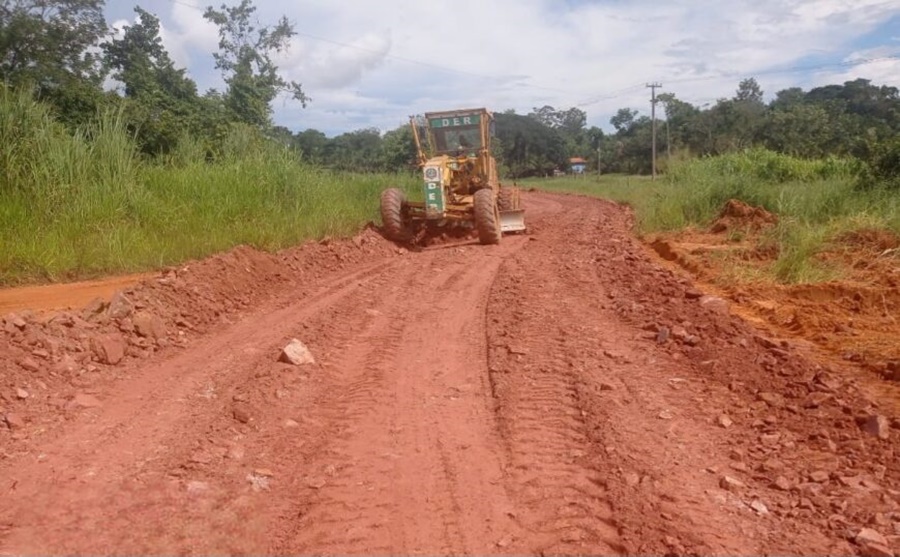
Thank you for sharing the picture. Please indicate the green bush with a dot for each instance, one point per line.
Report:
(85, 203)
(882, 169)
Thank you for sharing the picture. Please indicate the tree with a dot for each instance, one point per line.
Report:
(398, 150)
(140, 61)
(46, 44)
(623, 120)
(312, 145)
(749, 91)
(528, 147)
(46, 41)
(245, 58)
(163, 105)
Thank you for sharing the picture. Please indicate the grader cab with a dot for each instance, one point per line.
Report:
(459, 180)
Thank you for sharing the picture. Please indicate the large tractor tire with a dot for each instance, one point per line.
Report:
(508, 199)
(487, 217)
(392, 201)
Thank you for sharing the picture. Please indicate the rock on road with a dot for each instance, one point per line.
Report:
(558, 393)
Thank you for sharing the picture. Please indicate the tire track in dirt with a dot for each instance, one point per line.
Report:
(563, 505)
(518, 398)
(157, 406)
(403, 485)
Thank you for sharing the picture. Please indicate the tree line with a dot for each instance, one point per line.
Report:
(63, 51)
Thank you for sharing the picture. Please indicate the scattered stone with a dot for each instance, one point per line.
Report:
(258, 483)
(17, 322)
(693, 294)
(814, 400)
(731, 484)
(724, 421)
(120, 306)
(663, 335)
(606, 386)
(95, 306)
(819, 476)
(714, 303)
(665, 415)
(242, 414)
(782, 484)
(316, 483)
(235, 452)
(873, 543)
(83, 400)
(14, 421)
(632, 479)
(770, 439)
(878, 426)
(21, 393)
(195, 487)
(740, 467)
(265, 472)
(149, 325)
(772, 399)
(759, 507)
(29, 364)
(297, 353)
(109, 349)
(240, 397)
(290, 424)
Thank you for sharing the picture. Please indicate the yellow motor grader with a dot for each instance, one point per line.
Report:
(460, 181)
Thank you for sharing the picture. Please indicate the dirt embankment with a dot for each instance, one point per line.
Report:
(854, 318)
(561, 392)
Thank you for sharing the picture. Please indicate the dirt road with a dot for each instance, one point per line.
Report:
(559, 393)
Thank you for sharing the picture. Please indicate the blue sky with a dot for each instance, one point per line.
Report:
(371, 64)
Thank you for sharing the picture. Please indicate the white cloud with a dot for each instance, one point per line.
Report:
(526, 53)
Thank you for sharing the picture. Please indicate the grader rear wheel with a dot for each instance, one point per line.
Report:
(487, 217)
(392, 201)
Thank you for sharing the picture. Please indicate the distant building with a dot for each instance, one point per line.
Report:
(577, 165)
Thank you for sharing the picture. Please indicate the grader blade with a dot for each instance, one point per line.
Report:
(512, 220)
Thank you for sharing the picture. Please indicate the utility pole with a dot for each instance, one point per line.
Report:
(668, 144)
(653, 87)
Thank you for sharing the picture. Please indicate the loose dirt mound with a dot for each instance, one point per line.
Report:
(737, 215)
(50, 361)
(871, 238)
(856, 318)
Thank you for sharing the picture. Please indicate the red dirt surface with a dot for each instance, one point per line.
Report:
(855, 318)
(561, 392)
(63, 296)
(738, 215)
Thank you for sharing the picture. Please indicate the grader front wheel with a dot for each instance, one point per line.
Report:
(392, 201)
(487, 217)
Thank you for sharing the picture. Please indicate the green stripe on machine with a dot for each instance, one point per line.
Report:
(455, 121)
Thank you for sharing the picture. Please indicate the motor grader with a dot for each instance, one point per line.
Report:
(460, 183)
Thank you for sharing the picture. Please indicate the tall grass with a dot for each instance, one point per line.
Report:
(816, 202)
(83, 204)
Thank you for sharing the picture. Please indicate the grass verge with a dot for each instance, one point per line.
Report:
(82, 205)
(816, 201)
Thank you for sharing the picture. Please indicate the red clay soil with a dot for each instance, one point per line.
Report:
(855, 318)
(739, 215)
(559, 393)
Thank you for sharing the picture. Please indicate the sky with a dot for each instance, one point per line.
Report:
(372, 63)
